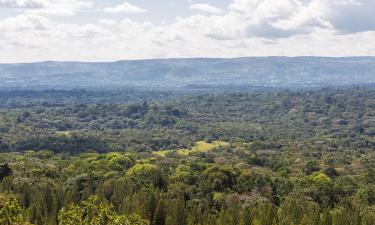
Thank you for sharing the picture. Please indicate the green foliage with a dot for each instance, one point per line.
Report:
(310, 167)
(94, 211)
(10, 210)
(276, 158)
(5, 171)
(331, 172)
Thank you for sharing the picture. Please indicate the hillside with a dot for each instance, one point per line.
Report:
(172, 73)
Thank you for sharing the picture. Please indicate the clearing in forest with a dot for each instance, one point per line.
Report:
(200, 146)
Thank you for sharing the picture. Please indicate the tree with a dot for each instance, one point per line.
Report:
(310, 167)
(5, 171)
(10, 210)
(95, 211)
(160, 214)
(297, 210)
(331, 172)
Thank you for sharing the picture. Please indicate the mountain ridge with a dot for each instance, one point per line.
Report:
(190, 58)
(273, 71)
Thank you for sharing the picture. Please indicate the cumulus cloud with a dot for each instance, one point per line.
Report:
(349, 15)
(30, 4)
(24, 23)
(345, 16)
(53, 7)
(244, 28)
(125, 7)
(206, 8)
(285, 18)
(40, 27)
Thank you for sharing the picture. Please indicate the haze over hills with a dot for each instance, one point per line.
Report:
(179, 73)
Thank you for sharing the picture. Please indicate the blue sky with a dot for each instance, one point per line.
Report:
(98, 30)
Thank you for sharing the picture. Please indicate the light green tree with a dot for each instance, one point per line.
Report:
(10, 210)
(95, 211)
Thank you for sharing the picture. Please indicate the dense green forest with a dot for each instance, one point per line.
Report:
(258, 157)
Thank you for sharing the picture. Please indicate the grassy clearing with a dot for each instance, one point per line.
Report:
(184, 152)
(162, 153)
(200, 146)
(65, 133)
(203, 146)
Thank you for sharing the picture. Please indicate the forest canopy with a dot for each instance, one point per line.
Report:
(257, 157)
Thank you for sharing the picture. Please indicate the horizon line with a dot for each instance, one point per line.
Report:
(187, 58)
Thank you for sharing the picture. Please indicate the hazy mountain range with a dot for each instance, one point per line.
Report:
(172, 73)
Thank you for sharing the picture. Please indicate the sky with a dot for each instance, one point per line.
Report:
(110, 30)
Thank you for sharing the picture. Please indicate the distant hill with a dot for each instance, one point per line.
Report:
(176, 73)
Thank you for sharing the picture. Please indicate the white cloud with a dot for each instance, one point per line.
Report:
(35, 27)
(107, 22)
(52, 7)
(22, 4)
(125, 7)
(345, 16)
(245, 28)
(24, 23)
(285, 18)
(206, 8)
(341, 15)
(350, 15)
